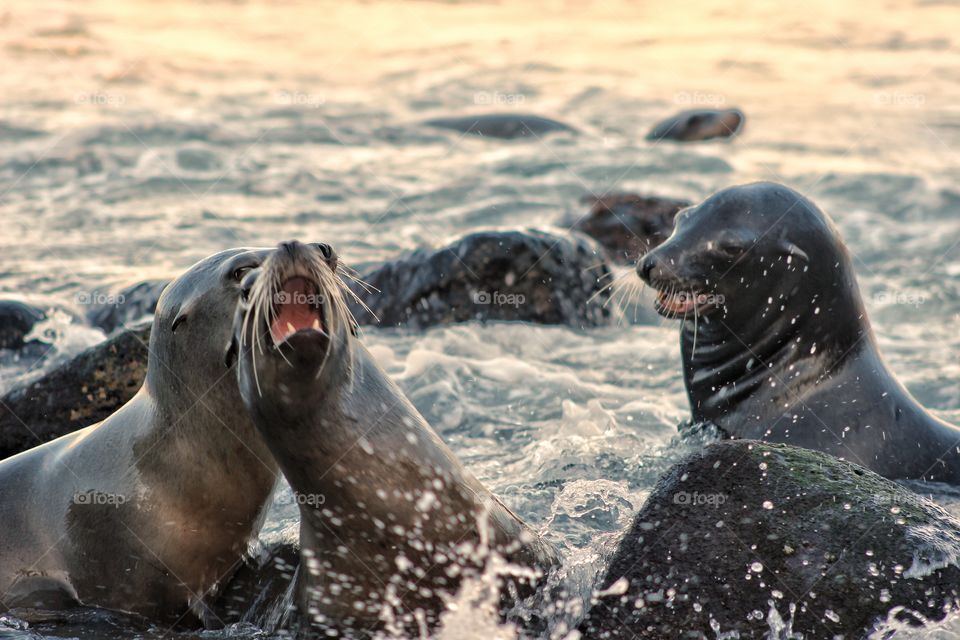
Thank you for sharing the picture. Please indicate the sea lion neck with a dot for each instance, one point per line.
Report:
(784, 348)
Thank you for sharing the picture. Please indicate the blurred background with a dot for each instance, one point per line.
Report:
(137, 137)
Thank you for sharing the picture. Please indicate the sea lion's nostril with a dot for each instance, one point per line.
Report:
(645, 266)
(328, 254)
(290, 246)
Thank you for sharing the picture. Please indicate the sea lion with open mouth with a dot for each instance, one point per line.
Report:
(775, 340)
(391, 522)
(151, 509)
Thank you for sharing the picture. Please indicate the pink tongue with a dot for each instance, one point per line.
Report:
(676, 303)
(294, 310)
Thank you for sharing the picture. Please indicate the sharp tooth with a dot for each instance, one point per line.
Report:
(291, 328)
(316, 324)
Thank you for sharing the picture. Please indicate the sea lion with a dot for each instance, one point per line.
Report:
(775, 341)
(699, 124)
(147, 511)
(390, 520)
(507, 126)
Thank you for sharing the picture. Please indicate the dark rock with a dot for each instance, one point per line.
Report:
(80, 393)
(744, 536)
(109, 310)
(628, 225)
(698, 125)
(527, 276)
(17, 320)
(508, 126)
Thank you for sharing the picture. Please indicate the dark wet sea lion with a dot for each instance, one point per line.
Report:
(507, 126)
(390, 519)
(627, 224)
(775, 341)
(147, 511)
(699, 124)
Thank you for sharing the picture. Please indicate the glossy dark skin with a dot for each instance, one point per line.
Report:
(786, 353)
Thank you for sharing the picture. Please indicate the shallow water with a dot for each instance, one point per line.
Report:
(138, 137)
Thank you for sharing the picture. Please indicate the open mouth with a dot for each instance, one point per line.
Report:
(297, 308)
(674, 303)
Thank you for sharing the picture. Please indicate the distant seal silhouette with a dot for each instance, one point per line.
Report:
(507, 126)
(698, 125)
(149, 510)
(775, 341)
(390, 520)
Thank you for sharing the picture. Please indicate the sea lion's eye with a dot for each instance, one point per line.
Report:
(242, 271)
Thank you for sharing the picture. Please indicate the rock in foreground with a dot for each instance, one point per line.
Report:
(747, 537)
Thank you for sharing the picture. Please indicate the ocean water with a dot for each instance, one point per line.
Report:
(137, 137)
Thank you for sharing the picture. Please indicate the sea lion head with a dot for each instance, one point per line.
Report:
(291, 322)
(699, 124)
(756, 259)
(193, 320)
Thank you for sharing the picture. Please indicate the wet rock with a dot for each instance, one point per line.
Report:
(80, 393)
(747, 537)
(527, 276)
(698, 125)
(507, 126)
(628, 225)
(109, 310)
(17, 320)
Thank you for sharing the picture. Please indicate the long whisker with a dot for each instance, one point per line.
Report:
(696, 319)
